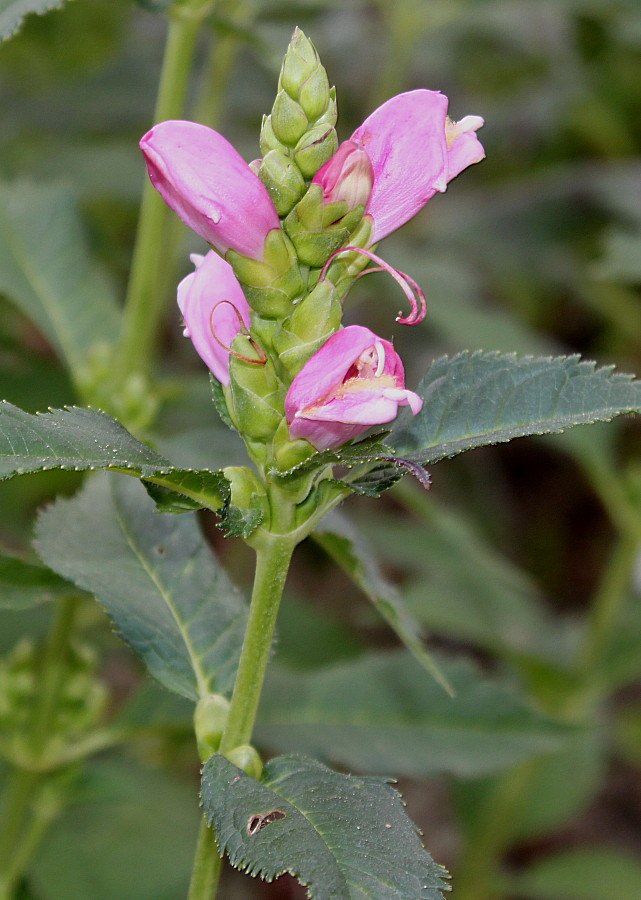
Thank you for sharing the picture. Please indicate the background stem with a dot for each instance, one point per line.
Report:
(145, 295)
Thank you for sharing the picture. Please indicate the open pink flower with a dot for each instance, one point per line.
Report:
(414, 151)
(209, 186)
(353, 381)
(214, 310)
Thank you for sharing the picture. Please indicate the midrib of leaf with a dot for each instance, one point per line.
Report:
(201, 679)
(327, 848)
(39, 285)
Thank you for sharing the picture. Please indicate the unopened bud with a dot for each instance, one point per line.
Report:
(268, 140)
(288, 120)
(314, 237)
(314, 320)
(303, 77)
(348, 176)
(314, 148)
(255, 390)
(272, 284)
(245, 757)
(210, 718)
(283, 180)
(247, 490)
(300, 61)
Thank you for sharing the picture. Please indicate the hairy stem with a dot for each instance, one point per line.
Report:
(273, 555)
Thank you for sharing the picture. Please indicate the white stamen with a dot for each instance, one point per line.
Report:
(380, 354)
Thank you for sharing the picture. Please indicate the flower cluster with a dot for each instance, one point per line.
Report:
(290, 233)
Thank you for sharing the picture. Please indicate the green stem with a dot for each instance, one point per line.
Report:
(145, 294)
(273, 555)
(607, 602)
(207, 866)
(493, 828)
(17, 799)
(23, 782)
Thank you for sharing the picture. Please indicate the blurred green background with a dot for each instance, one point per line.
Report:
(524, 558)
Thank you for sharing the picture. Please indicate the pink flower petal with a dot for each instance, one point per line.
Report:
(209, 186)
(199, 298)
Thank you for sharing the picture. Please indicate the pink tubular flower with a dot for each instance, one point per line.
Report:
(214, 310)
(414, 151)
(209, 186)
(353, 381)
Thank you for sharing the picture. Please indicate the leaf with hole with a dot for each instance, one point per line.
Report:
(344, 837)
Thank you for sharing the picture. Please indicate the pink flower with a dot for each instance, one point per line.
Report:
(353, 381)
(414, 151)
(209, 186)
(214, 310)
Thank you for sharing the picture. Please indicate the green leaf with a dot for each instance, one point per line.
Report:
(23, 584)
(46, 270)
(343, 837)
(480, 398)
(381, 713)
(75, 438)
(13, 12)
(157, 578)
(582, 873)
(350, 551)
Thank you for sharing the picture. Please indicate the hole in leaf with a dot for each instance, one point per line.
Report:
(259, 820)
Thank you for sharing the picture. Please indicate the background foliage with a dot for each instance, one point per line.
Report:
(521, 562)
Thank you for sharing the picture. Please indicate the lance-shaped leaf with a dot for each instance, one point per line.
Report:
(45, 266)
(480, 398)
(157, 578)
(382, 713)
(23, 584)
(351, 552)
(75, 438)
(343, 837)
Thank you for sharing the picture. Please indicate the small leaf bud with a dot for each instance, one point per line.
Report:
(210, 718)
(245, 757)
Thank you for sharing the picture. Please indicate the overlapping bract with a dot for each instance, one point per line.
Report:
(402, 154)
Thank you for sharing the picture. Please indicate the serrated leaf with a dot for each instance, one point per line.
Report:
(381, 713)
(343, 837)
(80, 439)
(157, 578)
(369, 450)
(474, 399)
(13, 12)
(45, 266)
(23, 584)
(351, 552)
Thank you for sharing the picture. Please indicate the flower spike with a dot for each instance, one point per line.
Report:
(410, 288)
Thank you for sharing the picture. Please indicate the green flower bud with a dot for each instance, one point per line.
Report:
(314, 149)
(300, 61)
(246, 758)
(314, 238)
(256, 393)
(289, 122)
(303, 77)
(314, 319)
(210, 718)
(288, 453)
(283, 180)
(270, 284)
(268, 140)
